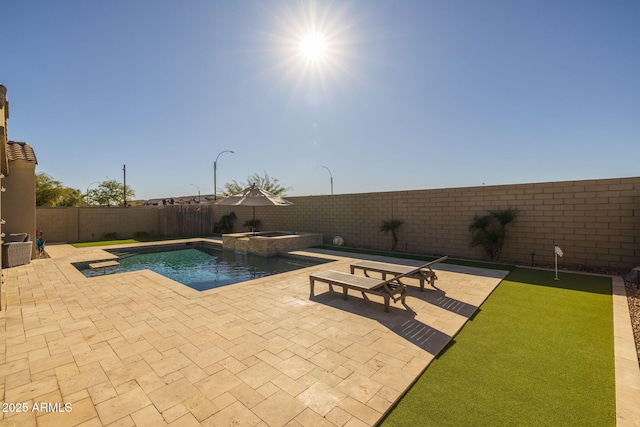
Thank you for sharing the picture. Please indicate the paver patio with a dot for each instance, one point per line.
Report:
(139, 349)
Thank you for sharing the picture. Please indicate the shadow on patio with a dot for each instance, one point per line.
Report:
(401, 321)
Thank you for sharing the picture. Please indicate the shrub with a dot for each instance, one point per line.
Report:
(226, 223)
(109, 236)
(391, 226)
(490, 231)
(253, 224)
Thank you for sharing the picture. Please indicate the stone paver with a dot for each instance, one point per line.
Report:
(140, 349)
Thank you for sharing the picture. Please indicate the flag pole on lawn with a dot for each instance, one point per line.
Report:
(558, 253)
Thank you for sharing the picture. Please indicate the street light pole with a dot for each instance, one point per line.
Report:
(198, 188)
(331, 179)
(95, 182)
(215, 168)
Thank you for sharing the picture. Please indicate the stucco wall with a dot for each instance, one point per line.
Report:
(596, 222)
(19, 200)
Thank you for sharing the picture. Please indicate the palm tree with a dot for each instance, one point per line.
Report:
(490, 230)
(226, 223)
(391, 226)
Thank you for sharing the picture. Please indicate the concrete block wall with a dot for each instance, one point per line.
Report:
(75, 224)
(596, 222)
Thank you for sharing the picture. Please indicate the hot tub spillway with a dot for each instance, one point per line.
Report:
(270, 243)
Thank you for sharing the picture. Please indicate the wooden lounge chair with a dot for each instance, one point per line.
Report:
(387, 289)
(383, 288)
(423, 274)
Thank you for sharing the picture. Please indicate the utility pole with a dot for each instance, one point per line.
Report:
(124, 169)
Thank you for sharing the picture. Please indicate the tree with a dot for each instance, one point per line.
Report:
(50, 192)
(490, 230)
(272, 185)
(72, 197)
(110, 193)
(391, 226)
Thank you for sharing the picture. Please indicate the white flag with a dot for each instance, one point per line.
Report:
(559, 251)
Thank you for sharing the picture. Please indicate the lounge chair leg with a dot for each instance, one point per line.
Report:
(386, 303)
(432, 280)
(311, 284)
(344, 291)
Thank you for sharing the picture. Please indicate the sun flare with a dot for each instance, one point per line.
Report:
(313, 46)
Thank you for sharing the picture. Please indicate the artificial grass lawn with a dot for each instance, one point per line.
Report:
(123, 241)
(103, 243)
(539, 352)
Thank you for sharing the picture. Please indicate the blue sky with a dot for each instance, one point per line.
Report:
(407, 95)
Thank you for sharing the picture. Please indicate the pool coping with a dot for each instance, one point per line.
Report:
(110, 259)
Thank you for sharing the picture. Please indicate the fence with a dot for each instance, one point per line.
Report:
(90, 223)
(594, 221)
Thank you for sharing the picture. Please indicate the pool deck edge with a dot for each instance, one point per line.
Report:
(626, 360)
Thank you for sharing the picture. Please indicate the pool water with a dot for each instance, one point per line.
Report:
(200, 266)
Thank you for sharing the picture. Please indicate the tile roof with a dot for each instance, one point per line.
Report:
(21, 151)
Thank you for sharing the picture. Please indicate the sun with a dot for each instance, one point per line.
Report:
(313, 46)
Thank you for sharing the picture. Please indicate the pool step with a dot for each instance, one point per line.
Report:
(104, 264)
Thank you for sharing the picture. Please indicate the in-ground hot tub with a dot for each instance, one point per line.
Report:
(270, 243)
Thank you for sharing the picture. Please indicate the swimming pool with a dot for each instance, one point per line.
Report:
(199, 265)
